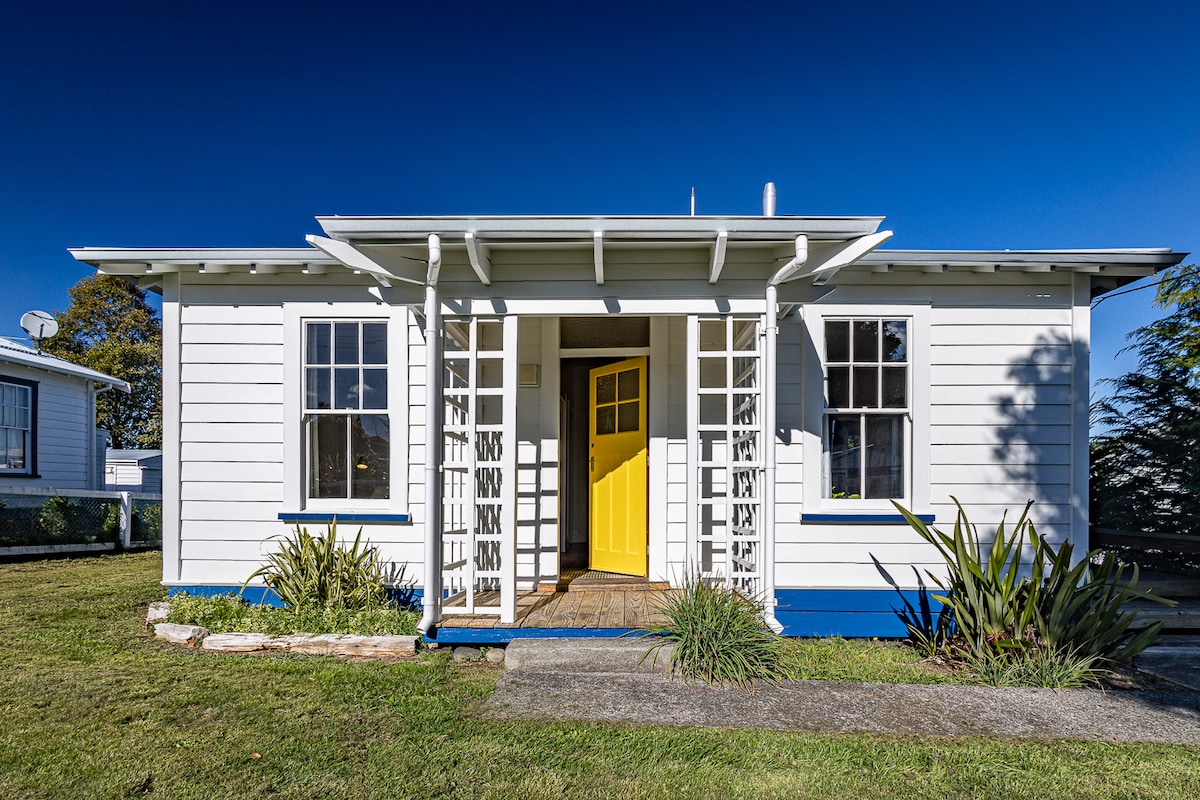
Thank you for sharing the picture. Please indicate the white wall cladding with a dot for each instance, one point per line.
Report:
(63, 431)
(233, 423)
(1000, 421)
(231, 431)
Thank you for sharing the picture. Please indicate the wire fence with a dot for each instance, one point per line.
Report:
(72, 520)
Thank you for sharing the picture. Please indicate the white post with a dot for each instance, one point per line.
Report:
(126, 517)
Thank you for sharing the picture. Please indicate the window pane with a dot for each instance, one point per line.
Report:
(374, 388)
(837, 341)
(627, 417)
(317, 388)
(606, 420)
(885, 456)
(866, 340)
(745, 334)
(844, 471)
(895, 340)
(345, 388)
(606, 389)
(374, 342)
(318, 343)
(345, 343)
(837, 387)
(895, 387)
(627, 384)
(9, 394)
(866, 387)
(327, 462)
(712, 335)
(370, 443)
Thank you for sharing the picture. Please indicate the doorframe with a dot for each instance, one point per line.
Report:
(658, 369)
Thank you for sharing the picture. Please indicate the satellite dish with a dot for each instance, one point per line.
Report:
(39, 325)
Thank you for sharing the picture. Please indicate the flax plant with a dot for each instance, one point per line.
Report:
(310, 570)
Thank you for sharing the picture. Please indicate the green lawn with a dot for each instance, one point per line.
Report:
(91, 706)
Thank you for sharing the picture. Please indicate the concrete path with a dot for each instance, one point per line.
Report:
(1177, 660)
(604, 680)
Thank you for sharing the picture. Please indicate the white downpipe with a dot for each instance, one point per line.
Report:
(432, 599)
(770, 333)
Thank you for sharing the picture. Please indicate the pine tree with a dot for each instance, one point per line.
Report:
(1146, 463)
(111, 327)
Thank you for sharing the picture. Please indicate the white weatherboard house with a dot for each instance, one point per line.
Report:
(739, 397)
(48, 434)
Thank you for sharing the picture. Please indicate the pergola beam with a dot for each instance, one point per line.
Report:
(598, 255)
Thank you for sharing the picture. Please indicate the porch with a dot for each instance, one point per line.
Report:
(585, 603)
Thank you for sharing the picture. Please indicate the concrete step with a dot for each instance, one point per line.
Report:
(625, 656)
(1176, 660)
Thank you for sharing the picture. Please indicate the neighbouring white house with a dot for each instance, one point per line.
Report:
(498, 400)
(48, 434)
(133, 471)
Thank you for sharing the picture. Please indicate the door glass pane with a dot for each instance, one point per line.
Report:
(627, 417)
(837, 340)
(606, 388)
(327, 468)
(895, 340)
(745, 334)
(318, 343)
(370, 442)
(374, 342)
(885, 456)
(606, 420)
(627, 384)
(374, 388)
(345, 388)
(837, 387)
(895, 387)
(866, 387)
(866, 340)
(317, 387)
(844, 449)
(345, 343)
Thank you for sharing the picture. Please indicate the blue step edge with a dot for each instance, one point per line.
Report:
(327, 517)
(863, 519)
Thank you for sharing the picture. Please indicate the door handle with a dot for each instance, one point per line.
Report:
(592, 463)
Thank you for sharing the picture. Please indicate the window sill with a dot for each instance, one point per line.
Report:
(862, 518)
(20, 476)
(329, 516)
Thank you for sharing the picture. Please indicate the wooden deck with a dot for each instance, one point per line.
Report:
(614, 608)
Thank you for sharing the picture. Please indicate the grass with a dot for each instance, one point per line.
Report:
(91, 706)
(231, 614)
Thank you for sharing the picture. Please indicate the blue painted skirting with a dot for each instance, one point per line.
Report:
(255, 595)
(327, 517)
(851, 613)
(844, 612)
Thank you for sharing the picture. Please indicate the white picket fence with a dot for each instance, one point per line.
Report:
(79, 520)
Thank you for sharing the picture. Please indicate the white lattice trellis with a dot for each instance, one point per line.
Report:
(726, 453)
(479, 466)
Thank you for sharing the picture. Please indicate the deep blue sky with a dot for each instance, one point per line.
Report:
(972, 125)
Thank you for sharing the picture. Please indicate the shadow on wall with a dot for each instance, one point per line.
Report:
(1033, 436)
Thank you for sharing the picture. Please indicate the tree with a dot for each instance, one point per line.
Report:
(111, 327)
(1146, 463)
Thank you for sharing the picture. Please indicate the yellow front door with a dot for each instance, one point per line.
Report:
(617, 449)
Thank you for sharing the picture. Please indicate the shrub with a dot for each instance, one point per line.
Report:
(232, 614)
(312, 570)
(717, 635)
(1054, 618)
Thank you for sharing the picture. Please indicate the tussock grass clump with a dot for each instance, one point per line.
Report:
(231, 614)
(717, 635)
